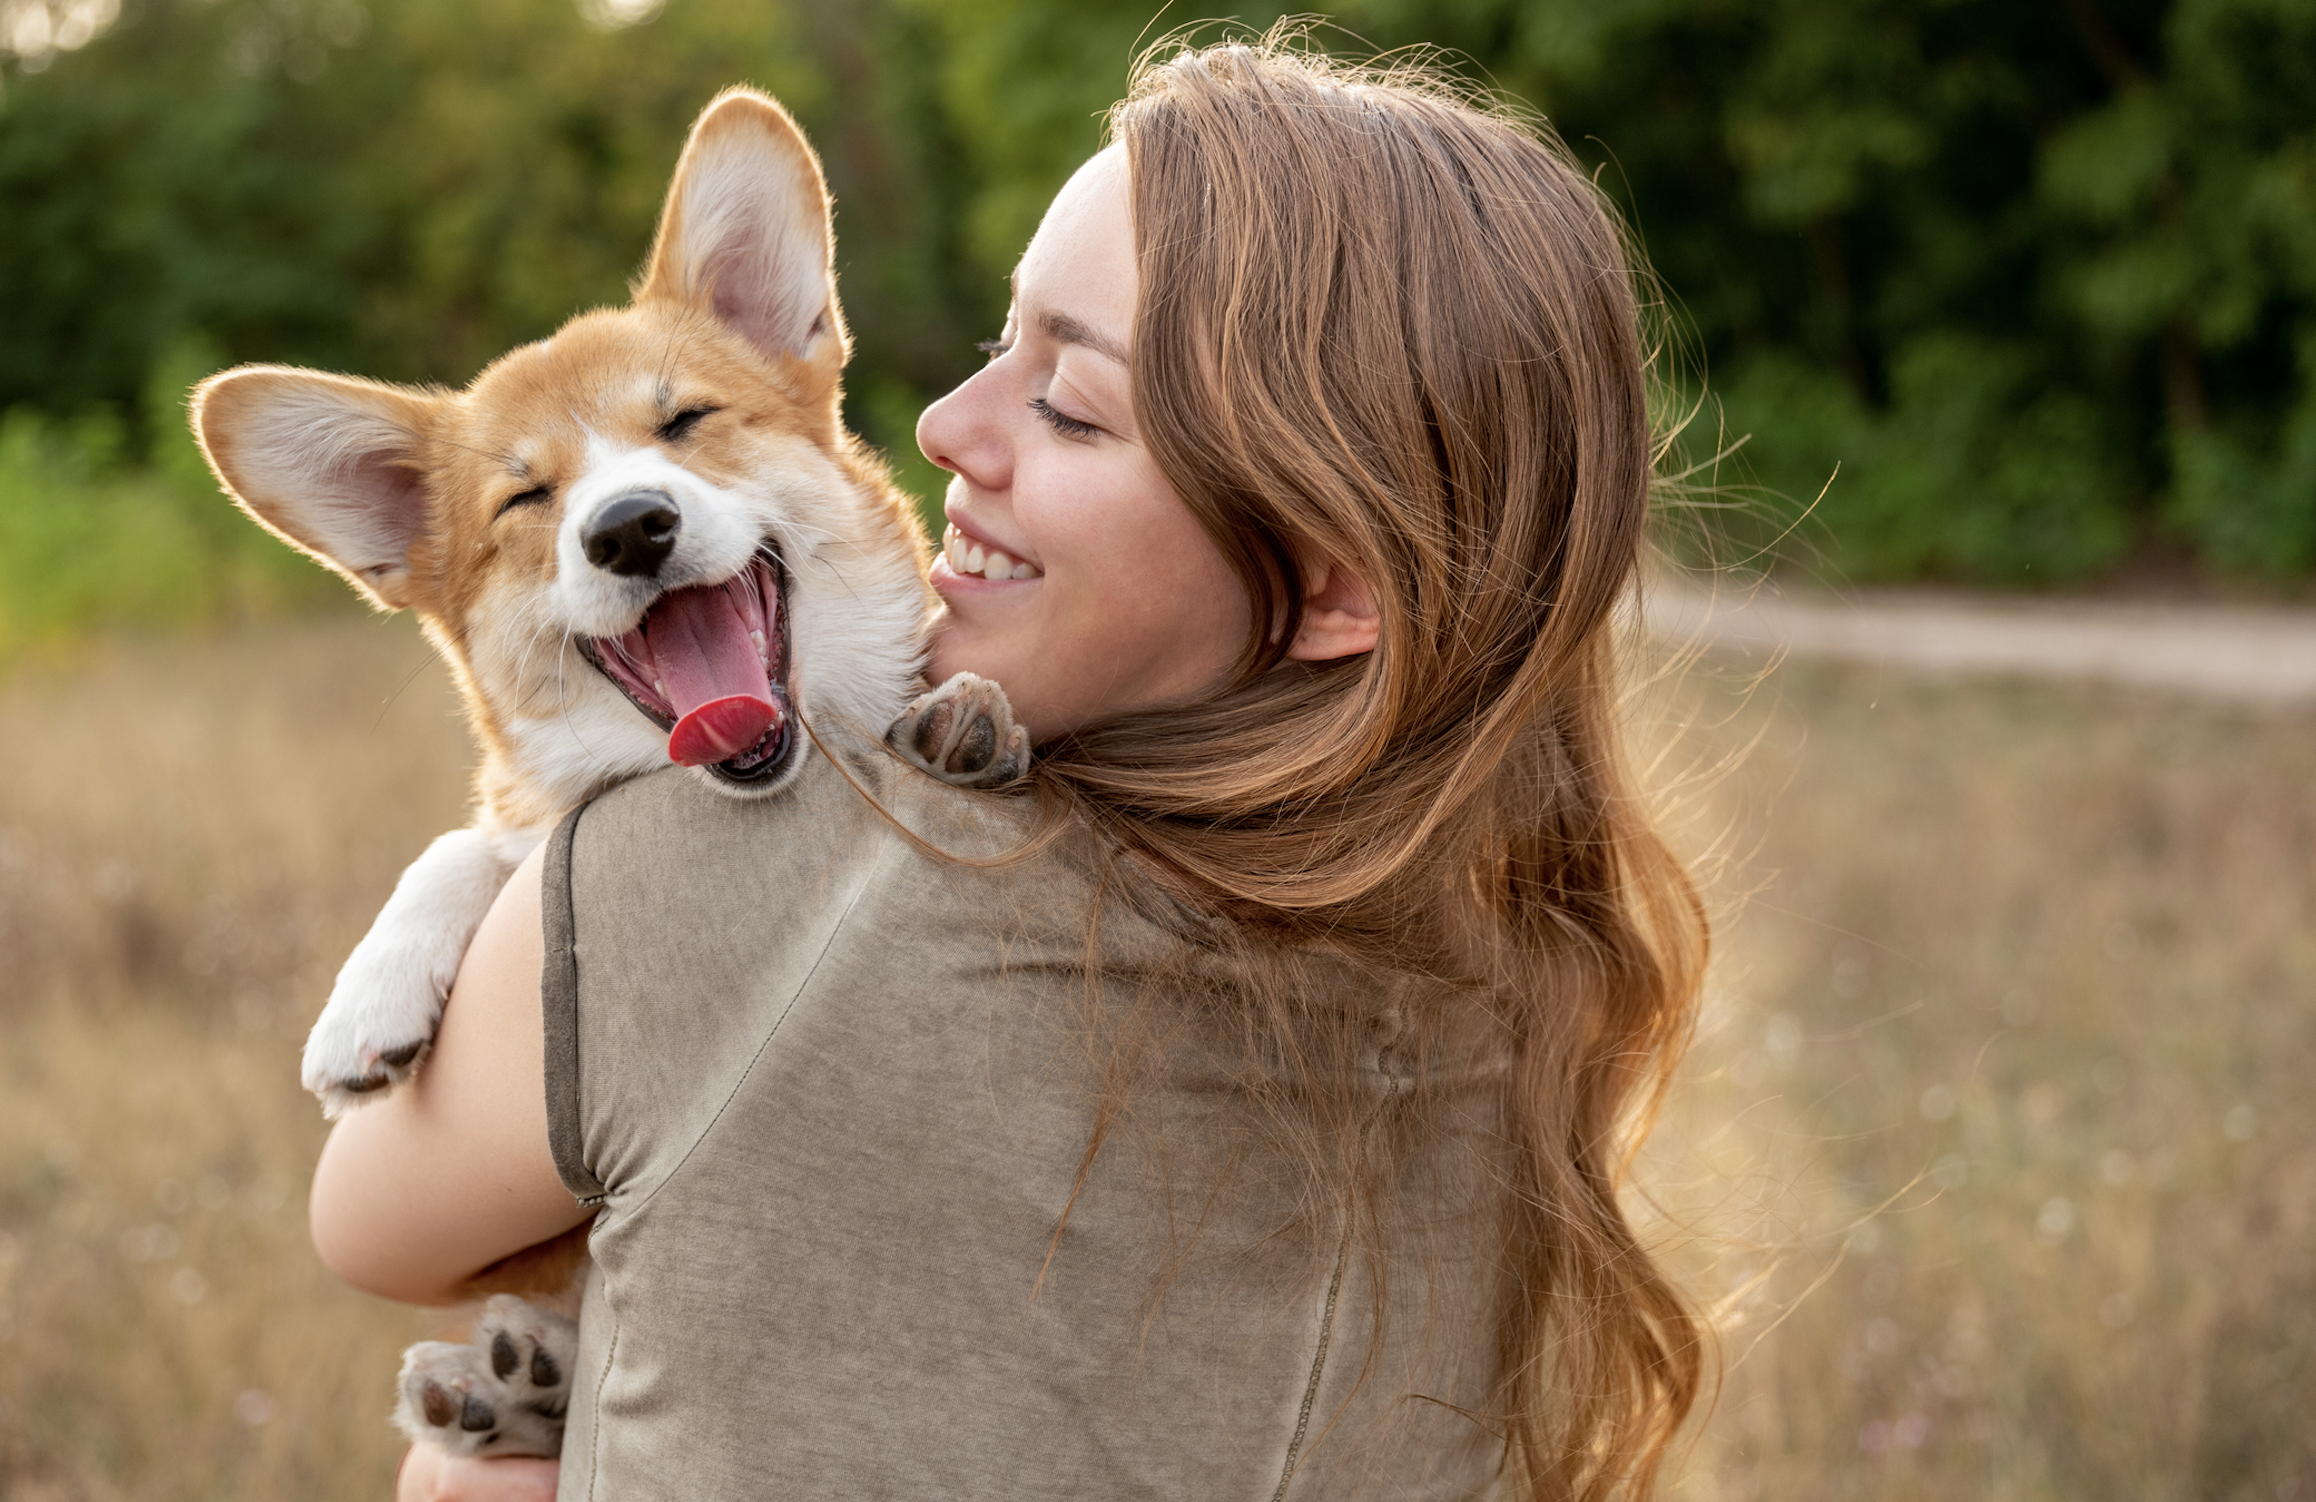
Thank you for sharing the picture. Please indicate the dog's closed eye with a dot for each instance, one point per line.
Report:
(537, 495)
(679, 427)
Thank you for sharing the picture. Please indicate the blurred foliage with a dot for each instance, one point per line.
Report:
(91, 537)
(2039, 280)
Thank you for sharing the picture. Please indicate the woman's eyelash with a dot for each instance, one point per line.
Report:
(1061, 422)
(1052, 416)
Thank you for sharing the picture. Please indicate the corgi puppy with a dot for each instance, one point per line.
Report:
(646, 539)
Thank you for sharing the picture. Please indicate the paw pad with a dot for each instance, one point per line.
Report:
(963, 733)
(503, 1393)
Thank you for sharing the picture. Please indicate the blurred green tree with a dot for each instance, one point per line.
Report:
(2040, 280)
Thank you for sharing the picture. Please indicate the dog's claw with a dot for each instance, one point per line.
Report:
(377, 1071)
(963, 733)
(343, 1071)
(503, 1393)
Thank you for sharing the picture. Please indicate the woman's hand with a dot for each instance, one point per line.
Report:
(429, 1474)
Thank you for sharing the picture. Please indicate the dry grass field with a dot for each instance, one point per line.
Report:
(2006, 1068)
(192, 835)
(1994, 1146)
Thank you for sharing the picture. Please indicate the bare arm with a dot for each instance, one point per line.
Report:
(428, 1475)
(452, 1172)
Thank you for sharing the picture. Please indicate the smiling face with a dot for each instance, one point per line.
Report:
(1107, 594)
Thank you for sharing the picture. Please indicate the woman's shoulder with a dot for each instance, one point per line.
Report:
(973, 866)
(852, 815)
(840, 790)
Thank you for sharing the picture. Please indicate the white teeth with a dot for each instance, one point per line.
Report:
(763, 652)
(659, 688)
(969, 557)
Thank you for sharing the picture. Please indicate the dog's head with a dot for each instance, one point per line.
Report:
(652, 522)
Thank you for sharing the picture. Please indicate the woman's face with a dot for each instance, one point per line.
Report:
(1104, 594)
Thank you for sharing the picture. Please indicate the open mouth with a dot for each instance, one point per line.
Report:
(709, 665)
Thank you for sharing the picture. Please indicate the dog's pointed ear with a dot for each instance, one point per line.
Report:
(329, 464)
(746, 234)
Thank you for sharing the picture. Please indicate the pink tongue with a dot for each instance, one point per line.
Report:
(721, 729)
(709, 670)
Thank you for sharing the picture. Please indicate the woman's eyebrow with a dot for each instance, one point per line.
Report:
(1063, 329)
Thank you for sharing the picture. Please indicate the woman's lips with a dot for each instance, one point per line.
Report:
(971, 558)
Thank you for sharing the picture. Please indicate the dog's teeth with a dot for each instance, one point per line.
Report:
(763, 652)
(975, 559)
(998, 567)
(659, 688)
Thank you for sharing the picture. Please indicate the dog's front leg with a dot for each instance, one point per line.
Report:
(383, 1011)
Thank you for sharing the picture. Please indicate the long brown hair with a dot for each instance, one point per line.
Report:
(1382, 324)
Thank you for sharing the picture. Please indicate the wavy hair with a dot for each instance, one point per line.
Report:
(1384, 324)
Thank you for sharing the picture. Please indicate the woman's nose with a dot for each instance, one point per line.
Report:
(961, 434)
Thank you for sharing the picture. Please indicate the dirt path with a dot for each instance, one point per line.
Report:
(2244, 653)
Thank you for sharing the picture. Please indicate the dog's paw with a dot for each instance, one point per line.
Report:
(504, 1393)
(381, 1016)
(963, 733)
(388, 999)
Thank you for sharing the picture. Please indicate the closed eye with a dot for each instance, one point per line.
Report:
(537, 495)
(679, 427)
(1061, 422)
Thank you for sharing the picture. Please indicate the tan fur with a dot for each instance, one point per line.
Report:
(524, 422)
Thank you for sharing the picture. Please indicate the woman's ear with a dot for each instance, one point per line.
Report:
(1339, 617)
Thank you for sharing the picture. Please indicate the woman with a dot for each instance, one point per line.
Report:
(1244, 1112)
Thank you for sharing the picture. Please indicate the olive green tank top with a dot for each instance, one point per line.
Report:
(833, 1098)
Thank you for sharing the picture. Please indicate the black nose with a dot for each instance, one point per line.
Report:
(634, 534)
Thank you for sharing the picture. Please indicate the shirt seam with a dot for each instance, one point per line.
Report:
(595, 1414)
(1318, 1364)
(843, 919)
(1393, 1082)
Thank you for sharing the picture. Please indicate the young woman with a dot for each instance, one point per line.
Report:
(1244, 1113)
